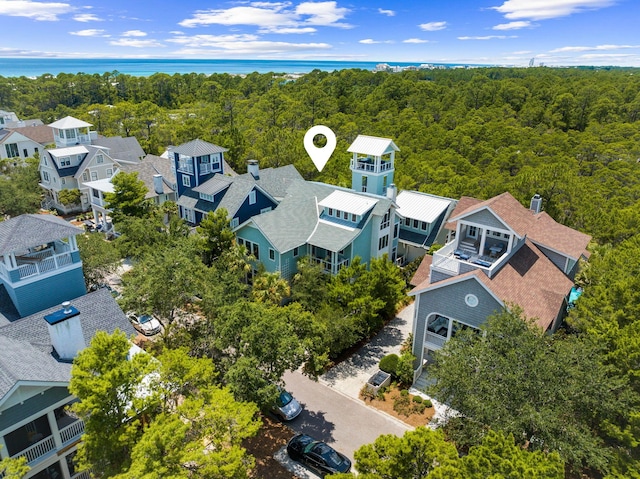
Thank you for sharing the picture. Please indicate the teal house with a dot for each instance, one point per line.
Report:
(40, 263)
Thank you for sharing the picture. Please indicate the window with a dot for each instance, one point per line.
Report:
(407, 221)
(94, 175)
(265, 210)
(35, 150)
(45, 176)
(63, 181)
(296, 252)
(385, 220)
(66, 161)
(365, 180)
(12, 150)
(396, 230)
(383, 242)
(354, 218)
(415, 224)
(189, 215)
(473, 231)
(109, 172)
(44, 159)
(234, 222)
(384, 184)
(272, 254)
(25, 153)
(186, 181)
(71, 134)
(99, 159)
(215, 162)
(345, 215)
(85, 176)
(423, 225)
(252, 197)
(330, 211)
(95, 193)
(255, 249)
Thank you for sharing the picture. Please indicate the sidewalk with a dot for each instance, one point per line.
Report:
(350, 375)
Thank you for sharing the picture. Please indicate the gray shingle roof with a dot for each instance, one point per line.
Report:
(25, 344)
(124, 149)
(196, 148)
(29, 230)
(150, 166)
(275, 181)
(214, 185)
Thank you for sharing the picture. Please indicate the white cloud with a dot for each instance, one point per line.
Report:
(371, 41)
(600, 56)
(212, 40)
(545, 9)
(91, 32)
(596, 48)
(252, 48)
(388, 13)
(274, 17)
(415, 40)
(488, 37)
(134, 33)
(523, 52)
(135, 43)
(87, 17)
(42, 11)
(433, 26)
(513, 25)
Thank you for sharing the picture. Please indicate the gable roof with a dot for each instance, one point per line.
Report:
(198, 147)
(421, 206)
(528, 279)
(69, 122)
(121, 148)
(28, 230)
(372, 145)
(26, 348)
(153, 165)
(539, 227)
(275, 181)
(42, 134)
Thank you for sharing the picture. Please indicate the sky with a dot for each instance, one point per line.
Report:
(497, 32)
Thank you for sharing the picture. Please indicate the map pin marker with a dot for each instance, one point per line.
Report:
(320, 156)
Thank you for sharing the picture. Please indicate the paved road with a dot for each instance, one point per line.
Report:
(341, 421)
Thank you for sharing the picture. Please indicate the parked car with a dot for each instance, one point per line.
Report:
(145, 324)
(286, 406)
(317, 455)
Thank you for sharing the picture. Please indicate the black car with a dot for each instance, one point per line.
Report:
(317, 455)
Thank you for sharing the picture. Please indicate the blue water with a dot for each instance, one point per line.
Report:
(33, 67)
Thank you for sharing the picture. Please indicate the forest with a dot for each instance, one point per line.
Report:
(570, 135)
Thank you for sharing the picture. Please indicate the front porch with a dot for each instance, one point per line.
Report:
(38, 260)
(331, 261)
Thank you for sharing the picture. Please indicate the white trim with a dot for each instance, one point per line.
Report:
(455, 280)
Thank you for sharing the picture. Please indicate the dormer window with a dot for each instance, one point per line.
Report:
(99, 159)
(330, 211)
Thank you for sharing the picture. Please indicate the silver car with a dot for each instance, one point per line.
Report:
(286, 406)
(145, 324)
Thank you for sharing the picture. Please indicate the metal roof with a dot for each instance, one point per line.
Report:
(214, 185)
(421, 206)
(71, 150)
(372, 145)
(25, 231)
(349, 202)
(69, 122)
(195, 148)
(103, 185)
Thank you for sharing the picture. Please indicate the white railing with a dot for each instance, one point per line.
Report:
(82, 475)
(373, 167)
(443, 259)
(185, 168)
(328, 265)
(39, 449)
(435, 339)
(44, 265)
(97, 201)
(72, 431)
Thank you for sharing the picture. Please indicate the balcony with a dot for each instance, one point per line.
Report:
(371, 165)
(34, 263)
(38, 450)
(186, 167)
(453, 261)
(330, 267)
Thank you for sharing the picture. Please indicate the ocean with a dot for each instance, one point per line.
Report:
(34, 67)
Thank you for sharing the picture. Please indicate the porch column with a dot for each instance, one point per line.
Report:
(53, 425)
(482, 241)
(64, 468)
(12, 260)
(458, 229)
(334, 262)
(510, 242)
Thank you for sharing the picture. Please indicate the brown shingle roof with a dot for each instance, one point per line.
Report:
(42, 134)
(423, 271)
(529, 279)
(539, 227)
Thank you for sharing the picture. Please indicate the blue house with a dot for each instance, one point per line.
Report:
(195, 162)
(242, 196)
(40, 263)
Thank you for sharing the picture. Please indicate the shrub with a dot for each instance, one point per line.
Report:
(389, 363)
(417, 399)
(380, 394)
(404, 368)
(402, 405)
(427, 403)
(367, 393)
(419, 408)
(404, 392)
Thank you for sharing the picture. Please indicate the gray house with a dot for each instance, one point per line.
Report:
(499, 254)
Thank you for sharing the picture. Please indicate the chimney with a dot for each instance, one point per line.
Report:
(65, 330)
(392, 192)
(158, 184)
(253, 168)
(536, 203)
